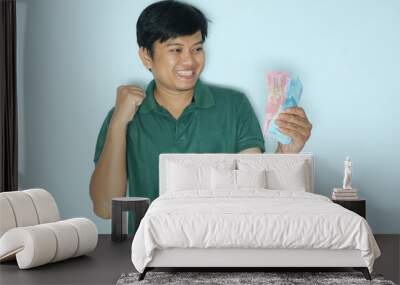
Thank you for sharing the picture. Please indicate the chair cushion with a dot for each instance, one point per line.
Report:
(51, 242)
(27, 208)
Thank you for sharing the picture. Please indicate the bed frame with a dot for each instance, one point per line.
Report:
(248, 259)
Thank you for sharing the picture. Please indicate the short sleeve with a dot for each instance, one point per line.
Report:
(249, 132)
(101, 138)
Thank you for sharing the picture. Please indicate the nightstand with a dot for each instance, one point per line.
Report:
(137, 205)
(357, 206)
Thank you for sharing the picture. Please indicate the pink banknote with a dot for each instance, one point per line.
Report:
(283, 92)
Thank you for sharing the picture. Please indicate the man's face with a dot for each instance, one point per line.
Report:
(177, 63)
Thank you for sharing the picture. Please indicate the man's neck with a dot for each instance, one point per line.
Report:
(173, 101)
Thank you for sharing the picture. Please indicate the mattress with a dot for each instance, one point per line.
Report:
(250, 219)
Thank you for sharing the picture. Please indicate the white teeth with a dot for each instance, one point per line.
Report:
(185, 73)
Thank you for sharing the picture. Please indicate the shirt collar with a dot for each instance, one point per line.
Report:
(203, 97)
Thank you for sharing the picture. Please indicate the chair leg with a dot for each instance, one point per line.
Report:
(142, 275)
(364, 271)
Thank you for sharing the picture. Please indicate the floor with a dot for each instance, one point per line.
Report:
(110, 260)
(102, 266)
(389, 262)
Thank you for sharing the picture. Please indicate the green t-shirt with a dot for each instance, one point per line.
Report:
(219, 120)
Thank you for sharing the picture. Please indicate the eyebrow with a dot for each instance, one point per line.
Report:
(178, 44)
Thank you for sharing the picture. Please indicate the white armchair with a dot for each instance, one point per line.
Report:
(31, 230)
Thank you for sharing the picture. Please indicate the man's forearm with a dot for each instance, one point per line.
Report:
(109, 177)
(251, 150)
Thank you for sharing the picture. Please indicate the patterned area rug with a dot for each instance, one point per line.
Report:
(269, 278)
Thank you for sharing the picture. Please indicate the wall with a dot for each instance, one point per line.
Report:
(73, 54)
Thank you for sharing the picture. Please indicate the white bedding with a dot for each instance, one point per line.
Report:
(250, 218)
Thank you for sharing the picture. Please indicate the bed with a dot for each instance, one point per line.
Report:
(244, 211)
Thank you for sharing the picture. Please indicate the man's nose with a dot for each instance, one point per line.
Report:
(188, 58)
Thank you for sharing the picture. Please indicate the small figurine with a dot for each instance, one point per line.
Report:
(347, 174)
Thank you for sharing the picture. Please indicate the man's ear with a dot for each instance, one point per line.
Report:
(144, 55)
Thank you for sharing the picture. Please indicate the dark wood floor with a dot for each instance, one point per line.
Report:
(389, 262)
(110, 260)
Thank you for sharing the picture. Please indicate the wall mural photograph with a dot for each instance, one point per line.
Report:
(188, 141)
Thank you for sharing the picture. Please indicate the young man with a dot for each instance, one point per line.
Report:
(177, 113)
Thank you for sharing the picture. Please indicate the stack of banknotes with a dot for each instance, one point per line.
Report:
(283, 92)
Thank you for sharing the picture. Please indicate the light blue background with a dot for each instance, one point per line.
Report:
(72, 55)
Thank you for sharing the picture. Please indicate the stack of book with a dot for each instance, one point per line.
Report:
(344, 194)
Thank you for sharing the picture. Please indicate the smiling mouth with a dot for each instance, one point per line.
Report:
(186, 74)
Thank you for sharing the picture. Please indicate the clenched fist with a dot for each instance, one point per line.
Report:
(128, 100)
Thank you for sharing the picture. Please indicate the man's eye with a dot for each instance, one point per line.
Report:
(176, 50)
(199, 49)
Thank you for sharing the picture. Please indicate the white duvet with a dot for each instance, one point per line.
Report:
(251, 218)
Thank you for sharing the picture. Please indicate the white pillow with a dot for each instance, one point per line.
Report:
(282, 174)
(251, 178)
(292, 178)
(186, 174)
(223, 179)
(237, 179)
(187, 177)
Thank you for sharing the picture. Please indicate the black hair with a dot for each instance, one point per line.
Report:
(168, 19)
